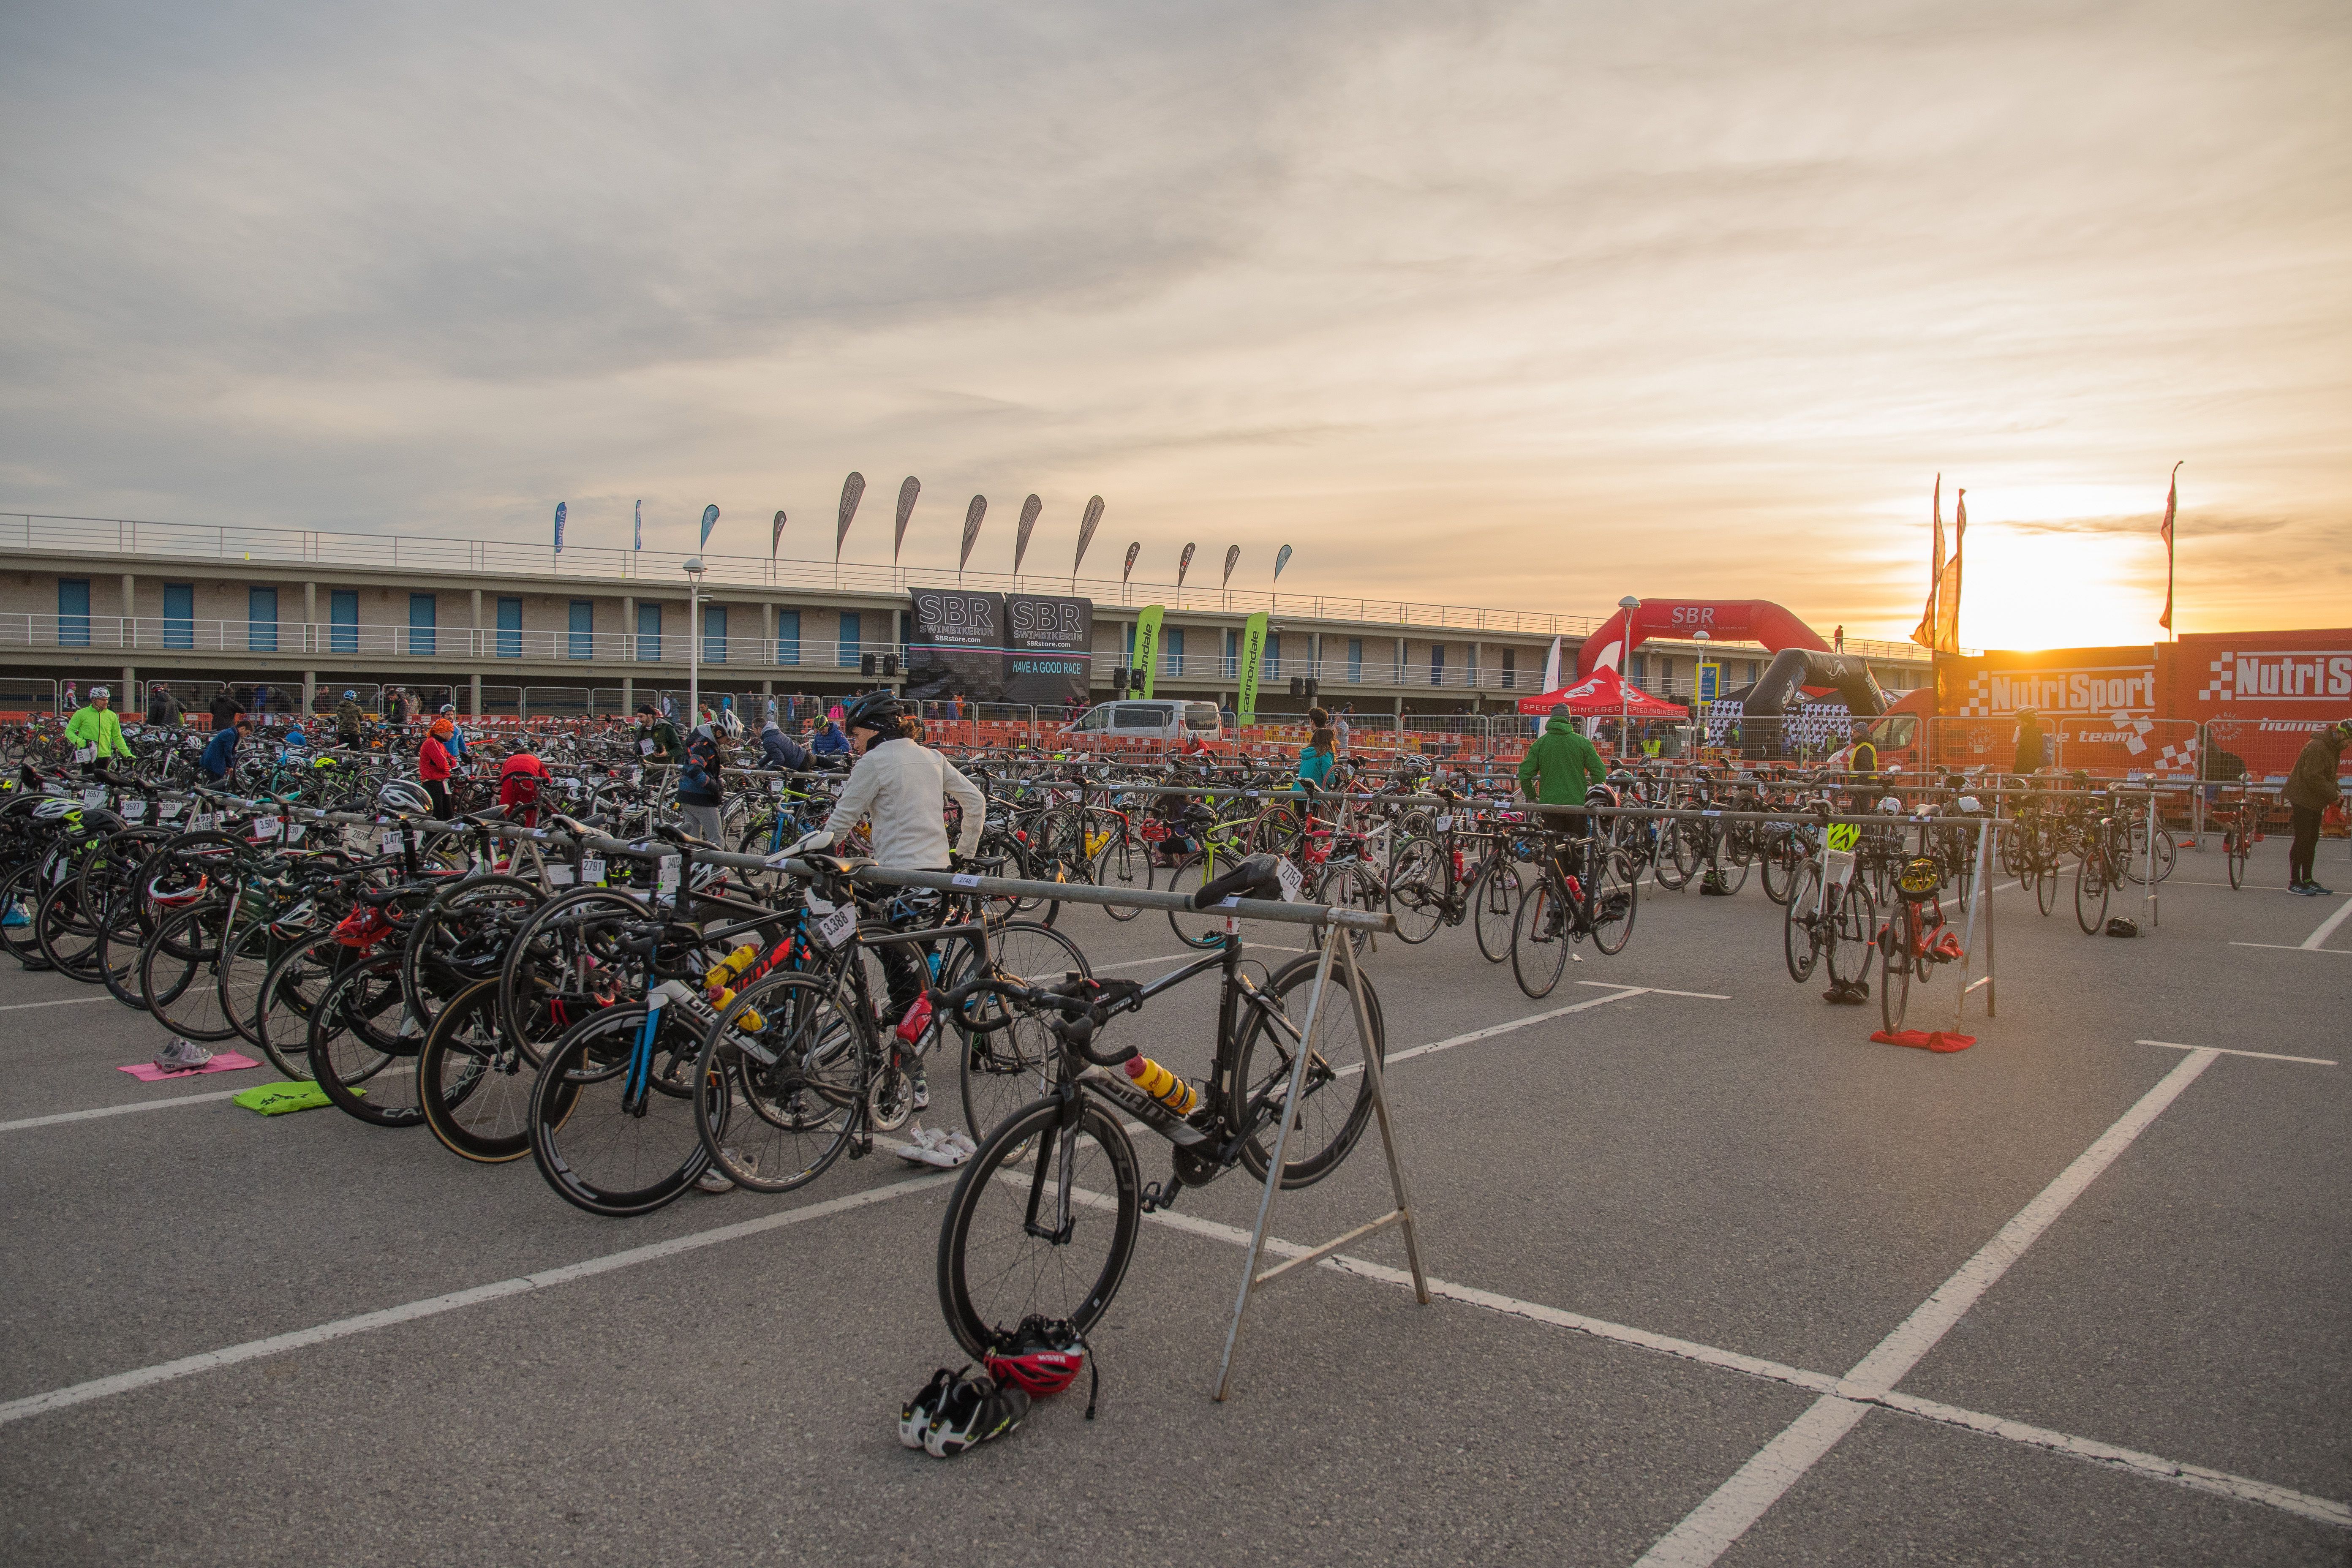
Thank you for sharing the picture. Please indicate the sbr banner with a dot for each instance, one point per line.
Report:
(992, 647)
(1049, 646)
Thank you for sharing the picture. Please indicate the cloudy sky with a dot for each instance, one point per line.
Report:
(1487, 304)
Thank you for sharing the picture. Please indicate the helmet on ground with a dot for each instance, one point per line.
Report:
(875, 710)
(1040, 1357)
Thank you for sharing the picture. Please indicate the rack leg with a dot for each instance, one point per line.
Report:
(1377, 1075)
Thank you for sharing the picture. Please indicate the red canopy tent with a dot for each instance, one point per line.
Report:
(1604, 694)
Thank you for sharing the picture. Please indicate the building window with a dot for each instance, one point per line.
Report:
(1270, 665)
(583, 628)
(261, 620)
(1356, 660)
(509, 629)
(788, 636)
(179, 615)
(1437, 664)
(1232, 662)
(649, 632)
(850, 623)
(73, 612)
(1172, 650)
(423, 612)
(1510, 667)
(342, 619)
(1638, 669)
(714, 634)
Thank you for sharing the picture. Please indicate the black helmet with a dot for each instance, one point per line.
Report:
(875, 710)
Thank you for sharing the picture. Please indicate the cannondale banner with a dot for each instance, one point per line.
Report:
(1030, 649)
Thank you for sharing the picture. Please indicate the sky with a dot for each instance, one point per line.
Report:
(1525, 306)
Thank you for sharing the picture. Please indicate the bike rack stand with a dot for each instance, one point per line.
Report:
(1335, 945)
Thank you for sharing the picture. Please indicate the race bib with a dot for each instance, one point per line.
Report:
(132, 810)
(1288, 875)
(85, 753)
(591, 869)
(559, 876)
(645, 748)
(93, 798)
(837, 927)
(1444, 824)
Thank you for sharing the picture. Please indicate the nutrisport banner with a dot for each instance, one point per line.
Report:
(2302, 678)
(2108, 682)
(996, 648)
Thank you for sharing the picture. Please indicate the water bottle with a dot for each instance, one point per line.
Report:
(748, 1020)
(1162, 1085)
(727, 969)
(918, 1019)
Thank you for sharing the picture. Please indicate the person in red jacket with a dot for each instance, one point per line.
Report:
(433, 765)
(521, 778)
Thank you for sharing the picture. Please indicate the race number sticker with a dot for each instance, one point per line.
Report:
(85, 753)
(836, 927)
(202, 822)
(1840, 867)
(265, 828)
(645, 748)
(1288, 874)
(390, 841)
(133, 810)
(559, 875)
(1444, 824)
(93, 798)
(294, 831)
(964, 880)
(591, 869)
(169, 809)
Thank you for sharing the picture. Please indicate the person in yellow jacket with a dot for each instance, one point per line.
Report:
(95, 734)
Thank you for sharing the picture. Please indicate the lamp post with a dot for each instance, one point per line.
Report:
(1700, 638)
(694, 571)
(1631, 607)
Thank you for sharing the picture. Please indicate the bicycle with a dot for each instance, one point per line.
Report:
(1828, 913)
(1565, 906)
(1915, 940)
(1020, 1242)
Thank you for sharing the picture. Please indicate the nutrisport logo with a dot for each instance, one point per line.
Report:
(2122, 692)
(2324, 676)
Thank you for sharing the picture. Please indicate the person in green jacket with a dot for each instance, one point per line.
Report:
(1557, 771)
(95, 729)
(2311, 789)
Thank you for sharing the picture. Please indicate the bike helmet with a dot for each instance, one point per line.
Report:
(1039, 1358)
(176, 887)
(728, 724)
(875, 710)
(55, 807)
(1890, 805)
(971, 1411)
(402, 794)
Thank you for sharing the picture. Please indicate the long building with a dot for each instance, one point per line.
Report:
(498, 627)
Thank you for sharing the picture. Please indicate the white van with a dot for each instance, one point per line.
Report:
(1150, 719)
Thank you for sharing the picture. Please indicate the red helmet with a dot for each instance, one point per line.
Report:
(1038, 1358)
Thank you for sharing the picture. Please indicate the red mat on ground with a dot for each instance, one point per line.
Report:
(1925, 1039)
(223, 1061)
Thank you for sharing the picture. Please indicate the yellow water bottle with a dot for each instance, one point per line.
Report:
(725, 971)
(749, 1019)
(1162, 1085)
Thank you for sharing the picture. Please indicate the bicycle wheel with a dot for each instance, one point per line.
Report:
(2091, 893)
(364, 1043)
(20, 903)
(1782, 857)
(179, 973)
(1493, 904)
(1615, 901)
(1895, 972)
(290, 992)
(1800, 933)
(2045, 881)
(1539, 939)
(2236, 844)
(474, 1086)
(797, 1067)
(548, 979)
(1850, 940)
(994, 1269)
(1421, 881)
(1203, 928)
(1729, 865)
(1680, 854)
(1331, 1111)
(1005, 1057)
(462, 937)
(1121, 866)
(607, 1144)
(68, 940)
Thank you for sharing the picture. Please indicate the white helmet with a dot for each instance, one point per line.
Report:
(97, 691)
(1890, 805)
(402, 794)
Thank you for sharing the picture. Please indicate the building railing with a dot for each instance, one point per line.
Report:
(622, 568)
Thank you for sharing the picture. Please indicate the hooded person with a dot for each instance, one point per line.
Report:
(1558, 770)
(2311, 789)
(434, 763)
(2029, 741)
(349, 730)
(780, 750)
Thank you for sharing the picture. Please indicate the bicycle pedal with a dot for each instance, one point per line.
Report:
(1160, 1195)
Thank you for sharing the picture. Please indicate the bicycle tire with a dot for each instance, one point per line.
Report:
(1853, 934)
(2091, 889)
(783, 1123)
(587, 1140)
(1202, 929)
(1539, 911)
(1338, 1047)
(1893, 975)
(1420, 884)
(68, 940)
(1495, 894)
(2236, 848)
(991, 1272)
(1117, 866)
(1802, 938)
(1008, 1059)
(349, 1050)
(472, 1084)
(179, 973)
(290, 991)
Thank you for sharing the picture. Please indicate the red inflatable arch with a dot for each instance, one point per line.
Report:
(1726, 620)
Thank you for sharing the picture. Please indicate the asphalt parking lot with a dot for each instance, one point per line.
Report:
(1720, 1279)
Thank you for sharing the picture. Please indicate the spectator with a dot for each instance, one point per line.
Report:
(701, 781)
(2029, 741)
(780, 750)
(219, 759)
(433, 765)
(162, 708)
(1228, 719)
(457, 741)
(521, 778)
(2311, 789)
(1837, 640)
(96, 733)
(73, 697)
(1315, 759)
(657, 742)
(830, 742)
(1340, 726)
(349, 731)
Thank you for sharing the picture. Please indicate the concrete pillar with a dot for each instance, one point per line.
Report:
(628, 632)
(628, 695)
(767, 637)
(129, 702)
(478, 683)
(474, 649)
(309, 616)
(309, 692)
(129, 614)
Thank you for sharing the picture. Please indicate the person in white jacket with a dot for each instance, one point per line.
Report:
(901, 783)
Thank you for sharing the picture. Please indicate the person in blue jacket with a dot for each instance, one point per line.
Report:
(220, 753)
(830, 742)
(1322, 750)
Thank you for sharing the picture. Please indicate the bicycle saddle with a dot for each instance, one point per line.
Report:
(839, 865)
(679, 836)
(1254, 878)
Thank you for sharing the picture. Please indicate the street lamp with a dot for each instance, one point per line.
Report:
(1700, 638)
(694, 571)
(1631, 607)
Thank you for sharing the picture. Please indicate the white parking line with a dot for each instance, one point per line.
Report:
(118, 1109)
(2296, 947)
(2258, 1056)
(67, 1002)
(2328, 927)
(341, 1328)
(1709, 1530)
(1661, 991)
